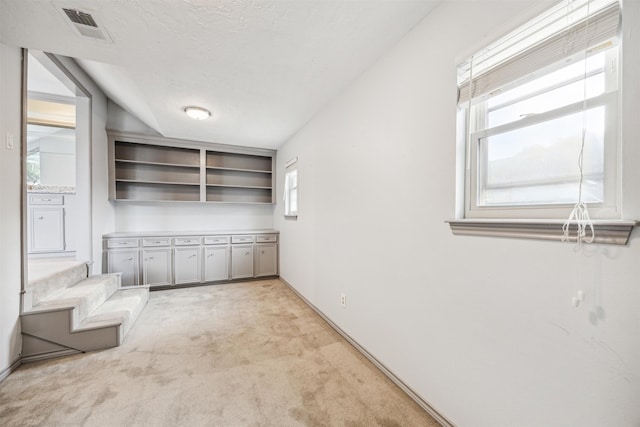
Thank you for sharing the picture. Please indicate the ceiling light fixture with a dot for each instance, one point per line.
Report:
(197, 113)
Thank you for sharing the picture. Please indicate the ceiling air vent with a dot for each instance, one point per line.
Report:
(79, 17)
(85, 24)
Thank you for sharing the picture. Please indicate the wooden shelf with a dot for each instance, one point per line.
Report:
(147, 191)
(238, 170)
(150, 168)
(157, 173)
(138, 162)
(237, 186)
(239, 195)
(157, 182)
(157, 154)
(239, 162)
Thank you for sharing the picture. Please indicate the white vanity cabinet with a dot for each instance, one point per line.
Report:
(156, 261)
(186, 260)
(50, 229)
(47, 229)
(216, 258)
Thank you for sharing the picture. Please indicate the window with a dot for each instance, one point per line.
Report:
(291, 188)
(535, 102)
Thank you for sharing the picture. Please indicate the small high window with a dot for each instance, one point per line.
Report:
(291, 188)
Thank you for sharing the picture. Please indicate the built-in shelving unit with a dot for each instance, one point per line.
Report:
(238, 178)
(145, 168)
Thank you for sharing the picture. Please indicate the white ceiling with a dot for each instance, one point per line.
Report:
(262, 67)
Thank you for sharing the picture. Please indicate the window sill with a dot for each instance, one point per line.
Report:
(606, 232)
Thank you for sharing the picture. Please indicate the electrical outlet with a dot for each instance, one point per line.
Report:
(343, 301)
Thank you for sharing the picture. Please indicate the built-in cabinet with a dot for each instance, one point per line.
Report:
(144, 168)
(164, 259)
(50, 224)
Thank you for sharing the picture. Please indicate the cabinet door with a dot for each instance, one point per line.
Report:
(216, 263)
(125, 262)
(266, 259)
(47, 229)
(241, 261)
(156, 267)
(187, 264)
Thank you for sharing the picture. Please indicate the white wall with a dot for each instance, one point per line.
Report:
(10, 208)
(131, 216)
(57, 161)
(191, 217)
(481, 328)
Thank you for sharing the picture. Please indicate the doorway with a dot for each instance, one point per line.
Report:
(56, 165)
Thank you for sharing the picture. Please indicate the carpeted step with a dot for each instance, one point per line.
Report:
(47, 277)
(123, 307)
(85, 297)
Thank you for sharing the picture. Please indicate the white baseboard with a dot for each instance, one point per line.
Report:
(14, 365)
(444, 422)
(50, 355)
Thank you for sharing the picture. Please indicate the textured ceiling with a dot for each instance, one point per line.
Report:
(262, 67)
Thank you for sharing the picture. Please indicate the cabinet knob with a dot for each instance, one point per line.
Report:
(209, 256)
(192, 256)
(246, 253)
(40, 217)
(130, 259)
(150, 257)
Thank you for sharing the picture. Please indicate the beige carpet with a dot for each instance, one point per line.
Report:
(240, 354)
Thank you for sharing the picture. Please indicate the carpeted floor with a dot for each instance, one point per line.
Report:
(240, 354)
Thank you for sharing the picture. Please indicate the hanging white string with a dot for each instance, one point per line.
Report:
(580, 213)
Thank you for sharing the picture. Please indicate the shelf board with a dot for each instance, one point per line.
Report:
(239, 186)
(138, 181)
(138, 162)
(238, 170)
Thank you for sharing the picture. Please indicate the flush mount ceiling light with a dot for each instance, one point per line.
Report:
(197, 113)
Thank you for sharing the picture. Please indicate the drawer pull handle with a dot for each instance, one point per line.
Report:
(130, 259)
(40, 217)
(209, 256)
(246, 253)
(192, 256)
(157, 241)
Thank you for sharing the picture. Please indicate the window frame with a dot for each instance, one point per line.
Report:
(473, 114)
(291, 167)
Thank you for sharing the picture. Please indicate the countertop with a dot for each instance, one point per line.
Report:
(51, 189)
(134, 234)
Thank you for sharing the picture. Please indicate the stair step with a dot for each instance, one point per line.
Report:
(123, 307)
(47, 277)
(85, 296)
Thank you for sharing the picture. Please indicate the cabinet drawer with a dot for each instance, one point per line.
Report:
(267, 238)
(242, 239)
(55, 199)
(122, 243)
(185, 241)
(157, 241)
(216, 240)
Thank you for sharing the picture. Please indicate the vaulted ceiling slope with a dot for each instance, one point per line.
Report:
(262, 67)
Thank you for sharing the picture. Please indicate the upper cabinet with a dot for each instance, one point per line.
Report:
(144, 168)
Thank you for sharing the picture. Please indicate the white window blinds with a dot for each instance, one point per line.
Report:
(571, 27)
